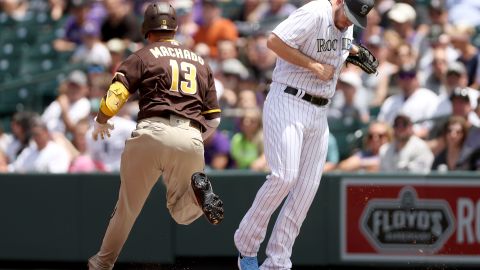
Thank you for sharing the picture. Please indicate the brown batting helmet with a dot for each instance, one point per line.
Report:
(159, 16)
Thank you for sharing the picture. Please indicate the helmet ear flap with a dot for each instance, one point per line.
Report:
(159, 16)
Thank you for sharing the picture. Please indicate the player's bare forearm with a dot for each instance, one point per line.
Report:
(288, 53)
(102, 118)
(322, 71)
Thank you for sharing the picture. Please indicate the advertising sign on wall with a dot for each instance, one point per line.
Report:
(416, 220)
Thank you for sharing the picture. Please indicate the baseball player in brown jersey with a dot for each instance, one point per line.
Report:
(178, 109)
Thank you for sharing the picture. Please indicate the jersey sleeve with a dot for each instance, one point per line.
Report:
(211, 108)
(130, 73)
(297, 27)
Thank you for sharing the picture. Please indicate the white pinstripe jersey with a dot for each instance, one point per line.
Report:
(311, 30)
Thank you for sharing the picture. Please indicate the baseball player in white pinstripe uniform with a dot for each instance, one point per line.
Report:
(312, 45)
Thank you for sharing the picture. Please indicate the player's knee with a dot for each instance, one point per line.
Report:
(181, 219)
(286, 178)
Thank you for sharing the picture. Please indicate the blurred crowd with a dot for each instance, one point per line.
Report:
(420, 113)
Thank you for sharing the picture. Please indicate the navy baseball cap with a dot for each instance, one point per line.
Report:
(357, 11)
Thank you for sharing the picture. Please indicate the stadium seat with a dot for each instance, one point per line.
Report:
(373, 112)
(8, 35)
(43, 19)
(6, 21)
(9, 101)
(347, 131)
(11, 50)
(9, 67)
(37, 66)
(41, 50)
(5, 124)
(228, 125)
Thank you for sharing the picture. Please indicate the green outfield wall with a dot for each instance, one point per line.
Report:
(355, 219)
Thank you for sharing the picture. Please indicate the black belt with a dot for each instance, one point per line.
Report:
(319, 101)
(193, 123)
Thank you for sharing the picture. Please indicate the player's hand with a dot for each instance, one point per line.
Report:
(323, 71)
(101, 129)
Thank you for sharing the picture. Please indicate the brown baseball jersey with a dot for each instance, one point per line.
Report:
(171, 79)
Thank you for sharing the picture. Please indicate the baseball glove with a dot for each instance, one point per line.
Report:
(364, 59)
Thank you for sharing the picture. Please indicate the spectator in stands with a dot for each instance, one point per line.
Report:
(109, 151)
(21, 126)
(83, 162)
(406, 56)
(460, 103)
(435, 25)
(373, 27)
(348, 113)
(247, 99)
(117, 49)
(460, 37)
(456, 77)
(438, 14)
(407, 152)
(45, 156)
(57, 9)
(15, 9)
(120, 22)
(214, 27)
(5, 140)
(217, 151)
(477, 109)
(411, 101)
(247, 144)
(71, 105)
(456, 86)
(454, 155)
(230, 73)
(439, 48)
(259, 59)
(92, 51)
(98, 83)
(3, 162)
(403, 17)
(463, 105)
(227, 49)
(83, 14)
(276, 10)
(187, 27)
(435, 79)
(377, 85)
(464, 12)
(368, 158)
(251, 11)
(333, 154)
(350, 100)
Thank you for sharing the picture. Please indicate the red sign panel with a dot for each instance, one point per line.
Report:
(417, 220)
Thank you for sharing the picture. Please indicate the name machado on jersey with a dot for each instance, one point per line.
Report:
(162, 51)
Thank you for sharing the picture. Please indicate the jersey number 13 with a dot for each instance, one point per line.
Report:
(187, 86)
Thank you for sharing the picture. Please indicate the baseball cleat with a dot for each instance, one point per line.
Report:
(210, 203)
(247, 263)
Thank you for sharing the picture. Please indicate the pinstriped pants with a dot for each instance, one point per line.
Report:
(296, 138)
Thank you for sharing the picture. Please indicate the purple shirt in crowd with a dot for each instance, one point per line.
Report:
(219, 144)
